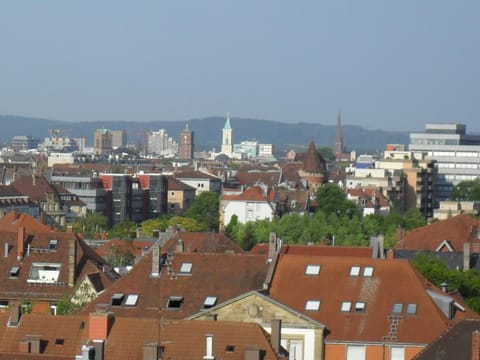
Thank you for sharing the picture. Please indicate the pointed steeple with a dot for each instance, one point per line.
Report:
(227, 125)
(339, 138)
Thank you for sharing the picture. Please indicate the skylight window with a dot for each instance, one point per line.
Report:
(355, 271)
(52, 244)
(312, 270)
(13, 272)
(116, 299)
(346, 306)
(411, 309)
(3, 303)
(186, 268)
(368, 271)
(174, 302)
(131, 299)
(397, 308)
(312, 305)
(359, 306)
(209, 302)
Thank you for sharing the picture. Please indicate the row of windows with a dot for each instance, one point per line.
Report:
(456, 166)
(314, 269)
(359, 306)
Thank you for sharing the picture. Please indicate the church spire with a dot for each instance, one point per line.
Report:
(339, 149)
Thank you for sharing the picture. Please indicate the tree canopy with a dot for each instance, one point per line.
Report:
(466, 190)
(205, 210)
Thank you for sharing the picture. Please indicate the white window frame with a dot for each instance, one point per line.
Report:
(312, 305)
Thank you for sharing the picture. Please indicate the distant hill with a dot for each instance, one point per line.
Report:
(208, 131)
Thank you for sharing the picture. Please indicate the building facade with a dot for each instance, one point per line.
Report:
(103, 140)
(457, 154)
(186, 144)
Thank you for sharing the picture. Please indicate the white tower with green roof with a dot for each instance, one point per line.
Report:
(227, 137)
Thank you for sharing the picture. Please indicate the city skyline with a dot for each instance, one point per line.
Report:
(382, 65)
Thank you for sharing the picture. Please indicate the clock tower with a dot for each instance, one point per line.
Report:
(185, 144)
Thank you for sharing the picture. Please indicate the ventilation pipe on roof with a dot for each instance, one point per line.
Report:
(179, 246)
(5, 252)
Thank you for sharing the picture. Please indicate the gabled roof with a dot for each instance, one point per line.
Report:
(253, 194)
(317, 250)
(194, 174)
(177, 185)
(216, 275)
(35, 186)
(372, 290)
(251, 176)
(456, 230)
(137, 248)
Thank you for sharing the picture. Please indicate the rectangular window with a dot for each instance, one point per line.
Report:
(52, 244)
(116, 299)
(397, 309)
(411, 309)
(13, 272)
(312, 270)
(209, 302)
(186, 268)
(355, 352)
(355, 271)
(359, 306)
(3, 303)
(397, 353)
(368, 271)
(346, 306)
(131, 300)
(312, 305)
(174, 302)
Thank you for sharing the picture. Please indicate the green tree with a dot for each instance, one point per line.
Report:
(327, 153)
(123, 230)
(247, 236)
(205, 209)
(148, 226)
(91, 225)
(466, 190)
(231, 229)
(331, 199)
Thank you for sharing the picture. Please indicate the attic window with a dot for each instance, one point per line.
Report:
(59, 341)
(397, 308)
(346, 306)
(116, 299)
(368, 271)
(52, 244)
(13, 272)
(44, 273)
(186, 268)
(312, 305)
(230, 348)
(131, 300)
(359, 306)
(411, 309)
(209, 302)
(312, 270)
(355, 271)
(3, 303)
(174, 302)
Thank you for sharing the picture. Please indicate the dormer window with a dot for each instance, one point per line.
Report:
(355, 271)
(359, 306)
(312, 270)
(46, 273)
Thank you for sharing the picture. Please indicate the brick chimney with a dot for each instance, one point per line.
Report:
(475, 345)
(156, 253)
(466, 256)
(72, 256)
(253, 354)
(20, 242)
(100, 323)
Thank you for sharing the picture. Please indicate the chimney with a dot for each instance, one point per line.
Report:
(444, 286)
(179, 247)
(209, 348)
(20, 242)
(5, 252)
(99, 346)
(152, 351)
(34, 180)
(475, 345)
(156, 259)
(15, 315)
(390, 254)
(272, 245)
(381, 245)
(253, 354)
(99, 325)
(72, 256)
(466, 256)
(276, 334)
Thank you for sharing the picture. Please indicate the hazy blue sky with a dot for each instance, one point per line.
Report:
(383, 64)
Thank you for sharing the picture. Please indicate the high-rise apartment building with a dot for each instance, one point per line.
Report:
(457, 154)
(160, 143)
(185, 144)
(119, 139)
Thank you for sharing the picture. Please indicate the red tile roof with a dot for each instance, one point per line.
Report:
(202, 242)
(317, 250)
(13, 221)
(392, 281)
(456, 230)
(219, 275)
(255, 193)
